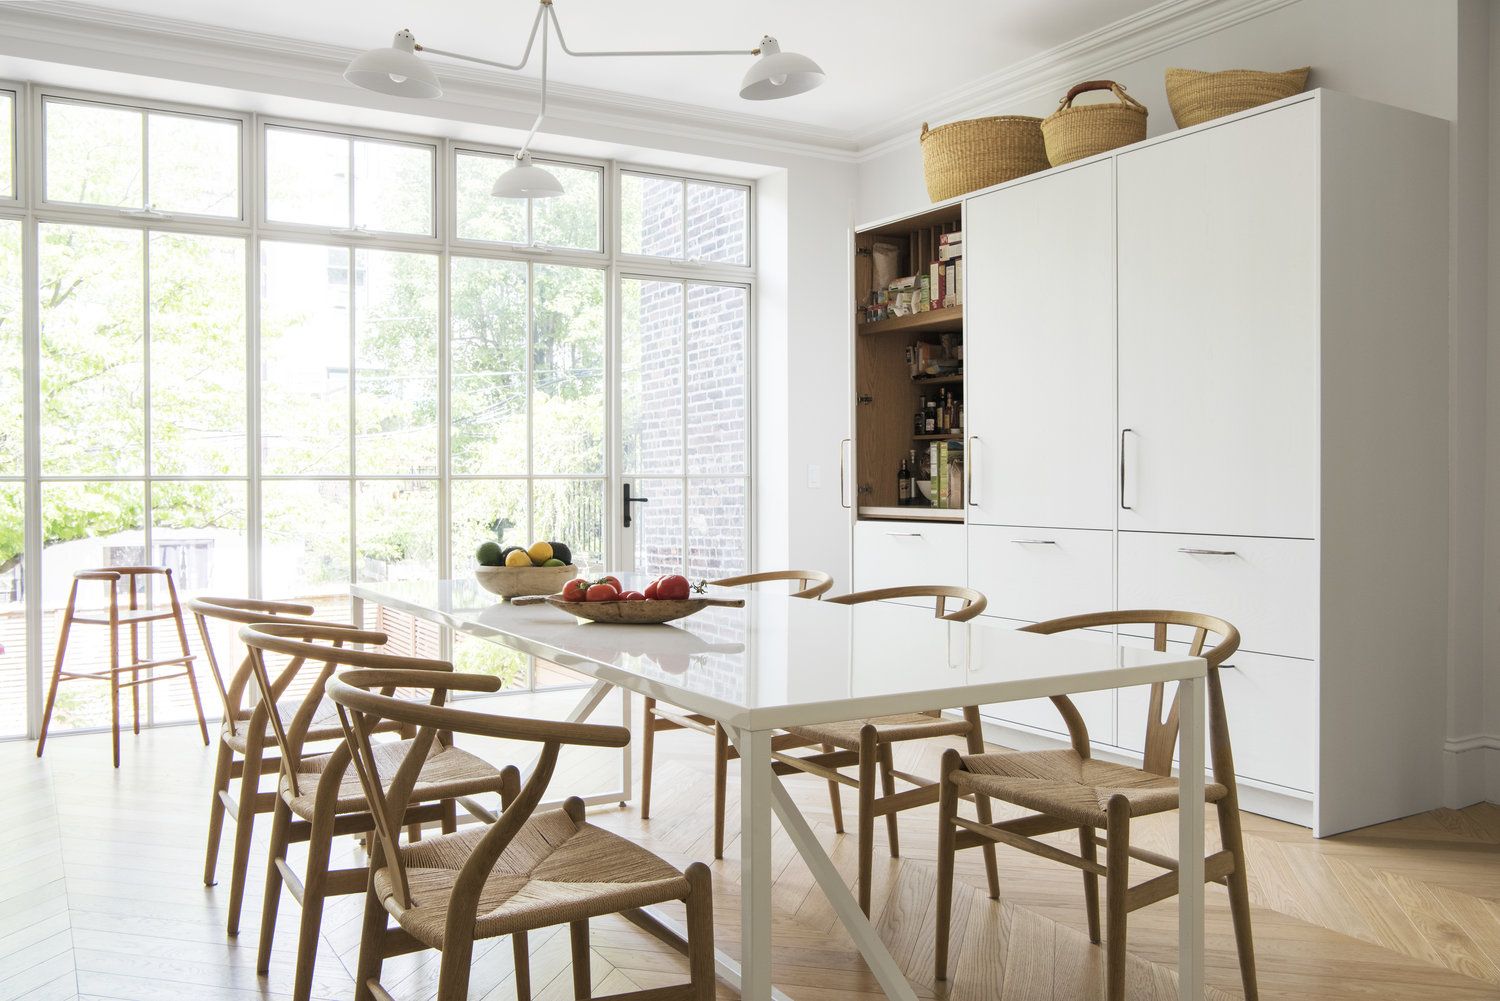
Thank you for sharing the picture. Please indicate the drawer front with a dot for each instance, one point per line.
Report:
(896, 554)
(1271, 703)
(1268, 588)
(1035, 574)
(1097, 708)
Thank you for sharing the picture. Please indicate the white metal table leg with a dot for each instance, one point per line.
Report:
(591, 700)
(755, 864)
(1190, 849)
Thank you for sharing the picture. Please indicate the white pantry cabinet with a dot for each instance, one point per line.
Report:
(1039, 351)
(902, 553)
(1209, 371)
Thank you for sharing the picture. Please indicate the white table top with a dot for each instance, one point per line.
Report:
(783, 661)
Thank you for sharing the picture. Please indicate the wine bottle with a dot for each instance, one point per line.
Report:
(903, 485)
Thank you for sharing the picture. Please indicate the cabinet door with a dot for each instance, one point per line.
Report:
(1042, 573)
(1218, 329)
(1039, 351)
(902, 553)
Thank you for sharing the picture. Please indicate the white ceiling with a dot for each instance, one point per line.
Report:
(884, 58)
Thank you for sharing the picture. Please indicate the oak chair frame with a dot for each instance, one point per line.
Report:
(360, 709)
(1226, 866)
(876, 741)
(298, 642)
(656, 718)
(133, 616)
(249, 726)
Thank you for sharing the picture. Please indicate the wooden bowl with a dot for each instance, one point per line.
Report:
(640, 612)
(512, 582)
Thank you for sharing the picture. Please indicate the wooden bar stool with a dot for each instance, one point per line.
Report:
(132, 616)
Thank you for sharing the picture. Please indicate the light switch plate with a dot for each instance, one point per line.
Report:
(814, 476)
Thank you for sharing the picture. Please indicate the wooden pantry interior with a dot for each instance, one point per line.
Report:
(1207, 368)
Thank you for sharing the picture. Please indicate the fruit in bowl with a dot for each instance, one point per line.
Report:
(512, 571)
(663, 600)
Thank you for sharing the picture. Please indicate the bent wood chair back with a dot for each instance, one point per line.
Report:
(363, 704)
(295, 641)
(972, 602)
(244, 611)
(810, 583)
(1161, 729)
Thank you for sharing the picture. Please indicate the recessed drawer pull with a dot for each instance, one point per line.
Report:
(1035, 542)
(1208, 552)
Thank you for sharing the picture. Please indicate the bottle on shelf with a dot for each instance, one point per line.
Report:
(920, 419)
(903, 485)
(929, 421)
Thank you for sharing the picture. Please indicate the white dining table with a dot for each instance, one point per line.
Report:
(781, 661)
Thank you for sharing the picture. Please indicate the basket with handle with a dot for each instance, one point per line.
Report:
(964, 156)
(1072, 133)
(1197, 96)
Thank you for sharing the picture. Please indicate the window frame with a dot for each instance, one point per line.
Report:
(18, 178)
(638, 261)
(32, 211)
(374, 237)
(607, 203)
(148, 215)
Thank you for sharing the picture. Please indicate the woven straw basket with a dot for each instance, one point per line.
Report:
(964, 156)
(1074, 133)
(1197, 97)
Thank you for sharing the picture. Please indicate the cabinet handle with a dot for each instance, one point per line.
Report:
(1035, 542)
(844, 473)
(1127, 486)
(1207, 552)
(971, 467)
(904, 535)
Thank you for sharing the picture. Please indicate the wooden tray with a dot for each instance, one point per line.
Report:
(632, 612)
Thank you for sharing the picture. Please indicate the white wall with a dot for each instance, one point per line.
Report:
(1442, 58)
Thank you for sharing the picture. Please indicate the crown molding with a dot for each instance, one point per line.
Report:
(1051, 72)
(104, 37)
(107, 38)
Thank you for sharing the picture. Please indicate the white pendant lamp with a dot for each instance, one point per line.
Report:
(526, 180)
(398, 70)
(779, 74)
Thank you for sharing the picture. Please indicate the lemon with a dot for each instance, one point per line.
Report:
(540, 552)
(518, 558)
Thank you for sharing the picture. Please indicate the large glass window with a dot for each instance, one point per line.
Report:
(343, 182)
(277, 377)
(129, 158)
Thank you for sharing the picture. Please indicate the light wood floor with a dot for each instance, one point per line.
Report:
(101, 897)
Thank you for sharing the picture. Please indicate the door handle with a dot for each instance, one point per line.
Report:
(629, 500)
(844, 472)
(971, 467)
(1207, 552)
(1127, 484)
(1035, 542)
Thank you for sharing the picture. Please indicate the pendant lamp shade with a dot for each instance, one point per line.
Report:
(779, 74)
(526, 180)
(396, 69)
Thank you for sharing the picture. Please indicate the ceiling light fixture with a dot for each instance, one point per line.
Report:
(398, 70)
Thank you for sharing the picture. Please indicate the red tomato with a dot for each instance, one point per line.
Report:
(673, 587)
(602, 592)
(632, 596)
(612, 581)
(650, 591)
(574, 589)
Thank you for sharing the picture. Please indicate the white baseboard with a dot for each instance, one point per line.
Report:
(1264, 799)
(1471, 770)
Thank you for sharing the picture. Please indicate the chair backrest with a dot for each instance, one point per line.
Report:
(810, 583)
(295, 640)
(973, 602)
(362, 709)
(1162, 730)
(242, 611)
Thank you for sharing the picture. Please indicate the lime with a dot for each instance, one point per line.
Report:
(554, 562)
(488, 554)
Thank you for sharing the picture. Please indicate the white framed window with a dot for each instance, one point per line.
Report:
(680, 218)
(140, 160)
(343, 182)
(571, 221)
(10, 173)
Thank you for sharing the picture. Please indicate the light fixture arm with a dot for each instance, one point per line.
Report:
(525, 56)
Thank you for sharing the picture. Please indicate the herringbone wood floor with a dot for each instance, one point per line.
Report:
(101, 897)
